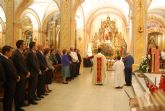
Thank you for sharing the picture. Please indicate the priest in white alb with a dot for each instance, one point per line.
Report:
(118, 68)
(99, 68)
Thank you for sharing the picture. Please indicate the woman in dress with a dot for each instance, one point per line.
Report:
(49, 73)
(65, 62)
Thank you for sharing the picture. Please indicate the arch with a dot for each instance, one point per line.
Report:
(129, 2)
(155, 18)
(45, 26)
(82, 14)
(98, 12)
(36, 23)
(46, 19)
(2, 14)
(33, 13)
(2, 32)
(158, 20)
(25, 4)
(3, 24)
(104, 10)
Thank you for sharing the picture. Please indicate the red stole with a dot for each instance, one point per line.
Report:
(99, 69)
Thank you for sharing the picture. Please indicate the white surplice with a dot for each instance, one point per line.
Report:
(118, 67)
(99, 69)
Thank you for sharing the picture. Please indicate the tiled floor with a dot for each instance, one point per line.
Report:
(81, 95)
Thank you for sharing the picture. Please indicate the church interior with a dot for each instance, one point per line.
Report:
(118, 27)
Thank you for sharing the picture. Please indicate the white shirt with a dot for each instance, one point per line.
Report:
(74, 56)
(4, 56)
(163, 55)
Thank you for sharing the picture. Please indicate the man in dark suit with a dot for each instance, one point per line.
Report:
(2, 76)
(43, 68)
(34, 68)
(20, 64)
(79, 63)
(58, 56)
(128, 61)
(11, 77)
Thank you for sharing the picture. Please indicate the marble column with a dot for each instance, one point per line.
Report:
(10, 22)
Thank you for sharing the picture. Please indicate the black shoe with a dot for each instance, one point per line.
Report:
(41, 96)
(33, 103)
(127, 85)
(19, 109)
(45, 94)
(99, 84)
(25, 104)
(50, 90)
(65, 82)
(118, 87)
(37, 99)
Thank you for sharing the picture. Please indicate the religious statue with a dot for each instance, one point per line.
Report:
(108, 29)
(151, 44)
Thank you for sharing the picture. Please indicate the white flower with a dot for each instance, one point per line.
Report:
(149, 56)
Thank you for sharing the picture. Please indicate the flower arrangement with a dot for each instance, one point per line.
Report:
(145, 64)
(107, 49)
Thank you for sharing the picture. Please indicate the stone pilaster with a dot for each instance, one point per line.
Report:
(138, 30)
(68, 26)
(10, 22)
(17, 32)
(73, 33)
(65, 33)
(43, 35)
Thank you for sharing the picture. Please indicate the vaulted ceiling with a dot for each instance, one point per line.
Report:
(2, 14)
(92, 5)
(157, 8)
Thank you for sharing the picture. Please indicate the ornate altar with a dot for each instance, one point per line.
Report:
(109, 39)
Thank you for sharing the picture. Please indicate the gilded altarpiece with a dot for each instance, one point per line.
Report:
(109, 39)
